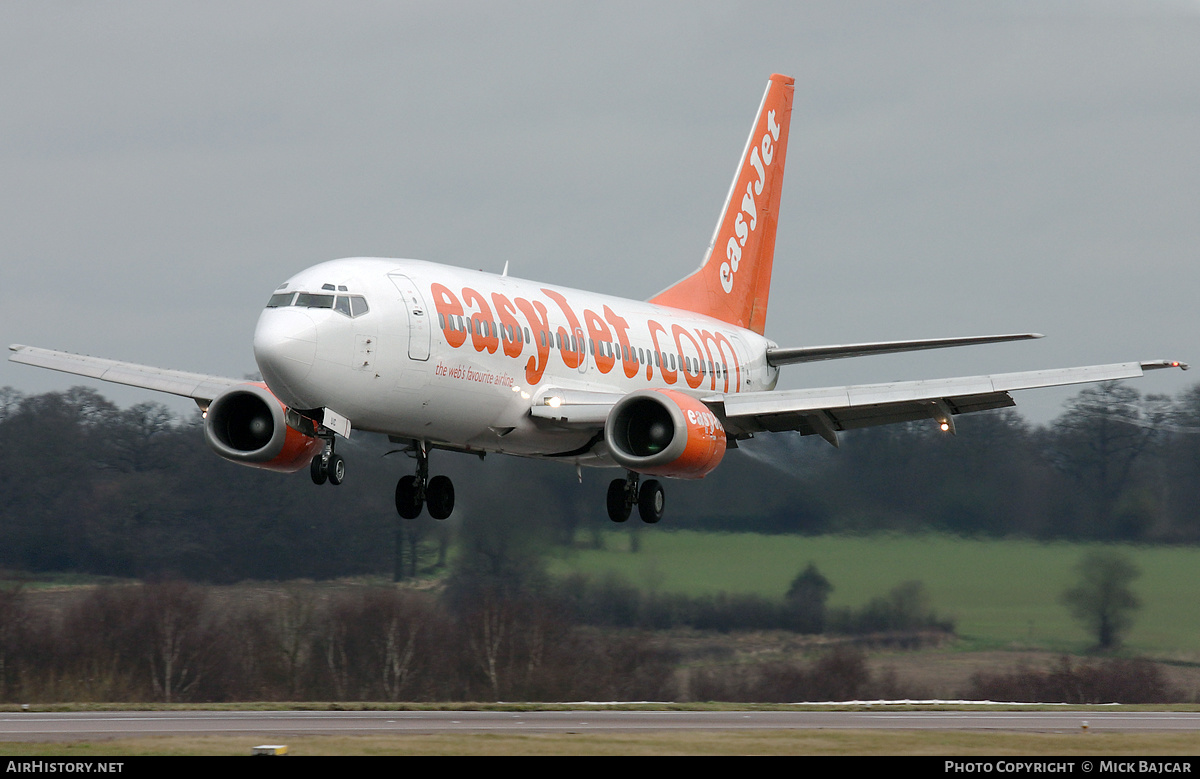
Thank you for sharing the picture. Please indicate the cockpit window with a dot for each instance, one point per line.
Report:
(347, 305)
(309, 300)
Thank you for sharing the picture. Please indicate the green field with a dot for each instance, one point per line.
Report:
(1001, 593)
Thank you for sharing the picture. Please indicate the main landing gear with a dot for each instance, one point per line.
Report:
(437, 494)
(328, 465)
(624, 493)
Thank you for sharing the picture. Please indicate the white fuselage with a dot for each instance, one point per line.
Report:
(457, 357)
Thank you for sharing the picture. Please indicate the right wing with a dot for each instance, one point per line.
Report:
(197, 386)
(827, 410)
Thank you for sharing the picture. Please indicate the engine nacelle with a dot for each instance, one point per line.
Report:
(247, 424)
(665, 433)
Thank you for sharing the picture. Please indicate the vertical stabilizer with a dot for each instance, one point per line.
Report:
(734, 281)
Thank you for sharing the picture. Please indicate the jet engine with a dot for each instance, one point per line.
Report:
(249, 425)
(665, 433)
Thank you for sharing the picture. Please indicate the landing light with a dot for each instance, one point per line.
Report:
(945, 426)
(554, 402)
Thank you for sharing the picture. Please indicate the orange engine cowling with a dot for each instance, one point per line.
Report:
(665, 433)
(247, 424)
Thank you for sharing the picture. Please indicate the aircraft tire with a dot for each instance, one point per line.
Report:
(618, 506)
(408, 504)
(652, 499)
(439, 497)
(335, 469)
(316, 469)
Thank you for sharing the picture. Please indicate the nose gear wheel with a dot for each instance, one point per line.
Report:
(327, 466)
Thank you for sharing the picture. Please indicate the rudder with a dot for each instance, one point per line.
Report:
(733, 283)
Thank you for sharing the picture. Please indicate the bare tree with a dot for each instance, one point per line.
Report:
(295, 612)
(399, 623)
(14, 621)
(488, 629)
(1099, 442)
(172, 629)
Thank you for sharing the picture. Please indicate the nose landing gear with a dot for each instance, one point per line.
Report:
(328, 465)
(437, 494)
(623, 494)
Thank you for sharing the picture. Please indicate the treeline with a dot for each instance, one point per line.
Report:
(135, 492)
(904, 615)
(843, 674)
(1114, 466)
(173, 642)
(90, 487)
(482, 638)
(1122, 680)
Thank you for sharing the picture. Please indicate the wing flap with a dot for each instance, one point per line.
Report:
(197, 386)
(828, 409)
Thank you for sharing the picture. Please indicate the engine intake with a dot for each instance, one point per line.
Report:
(665, 433)
(249, 425)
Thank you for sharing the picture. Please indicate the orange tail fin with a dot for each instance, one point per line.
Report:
(733, 283)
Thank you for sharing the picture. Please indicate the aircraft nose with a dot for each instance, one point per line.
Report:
(285, 346)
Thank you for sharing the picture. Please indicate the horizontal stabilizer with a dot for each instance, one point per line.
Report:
(786, 356)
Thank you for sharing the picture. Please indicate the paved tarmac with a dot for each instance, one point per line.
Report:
(36, 726)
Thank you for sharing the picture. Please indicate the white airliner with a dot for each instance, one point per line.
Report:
(438, 357)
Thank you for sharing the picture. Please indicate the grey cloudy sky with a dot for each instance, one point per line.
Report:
(954, 168)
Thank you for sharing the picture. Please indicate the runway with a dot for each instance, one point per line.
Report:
(39, 726)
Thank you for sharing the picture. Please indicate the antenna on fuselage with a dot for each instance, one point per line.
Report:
(505, 271)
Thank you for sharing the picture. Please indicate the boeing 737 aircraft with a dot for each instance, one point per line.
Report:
(437, 357)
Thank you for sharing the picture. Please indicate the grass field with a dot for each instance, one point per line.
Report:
(1001, 593)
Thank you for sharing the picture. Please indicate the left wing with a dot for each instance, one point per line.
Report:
(827, 410)
(197, 386)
